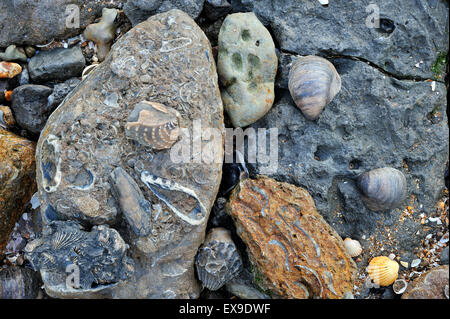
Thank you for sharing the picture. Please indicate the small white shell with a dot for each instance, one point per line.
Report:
(353, 247)
(399, 286)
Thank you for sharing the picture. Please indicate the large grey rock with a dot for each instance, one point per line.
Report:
(168, 60)
(29, 105)
(410, 32)
(60, 91)
(39, 22)
(374, 121)
(140, 10)
(57, 64)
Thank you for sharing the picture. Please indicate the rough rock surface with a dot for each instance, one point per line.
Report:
(429, 285)
(409, 32)
(168, 60)
(247, 65)
(374, 121)
(30, 106)
(140, 10)
(17, 180)
(57, 64)
(19, 283)
(38, 22)
(60, 91)
(297, 253)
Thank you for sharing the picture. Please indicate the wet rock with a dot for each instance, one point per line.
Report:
(60, 91)
(17, 180)
(19, 283)
(375, 121)
(8, 70)
(96, 258)
(85, 140)
(389, 45)
(57, 64)
(39, 22)
(29, 104)
(430, 285)
(247, 66)
(12, 53)
(215, 9)
(243, 287)
(140, 10)
(444, 256)
(297, 254)
(103, 32)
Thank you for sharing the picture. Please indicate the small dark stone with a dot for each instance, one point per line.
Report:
(386, 26)
(444, 256)
(215, 9)
(29, 105)
(57, 64)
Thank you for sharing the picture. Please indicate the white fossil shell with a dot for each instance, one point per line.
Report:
(218, 259)
(353, 247)
(399, 286)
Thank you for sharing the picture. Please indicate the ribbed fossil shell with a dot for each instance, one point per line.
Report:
(19, 283)
(382, 188)
(383, 271)
(218, 259)
(399, 286)
(313, 83)
(353, 247)
(153, 124)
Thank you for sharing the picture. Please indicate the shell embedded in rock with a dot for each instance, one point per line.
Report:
(399, 286)
(19, 283)
(6, 117)
(383, 271)
(382, 188)
(353, 247)
(153, 124)
(313, 83)
(218, 260)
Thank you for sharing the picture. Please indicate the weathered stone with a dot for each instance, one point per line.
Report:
(215, 9)
(375, 121)
(98, 257)
(103, 32)
(6, 117)
(140, 10)
(8, 70)
(429, 285)
(444, 256)
(297, 253)
(247, 65)
(12, 53)
(17, 180)
(243, 287)
(57, 64)
(85, 140)
(19, 283)
(29, 104)
(405, 46)
(39, 22)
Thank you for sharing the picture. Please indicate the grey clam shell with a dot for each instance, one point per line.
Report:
(19, 283)
(382, 188)
(313, 83)
(218, 260)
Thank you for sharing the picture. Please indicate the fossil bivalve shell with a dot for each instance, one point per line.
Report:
(218, 259)
(353, 247)
(382, 188)
(153, 124)
(383, 271)
(313, 83)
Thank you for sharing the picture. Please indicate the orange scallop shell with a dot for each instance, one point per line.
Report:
(383, 271)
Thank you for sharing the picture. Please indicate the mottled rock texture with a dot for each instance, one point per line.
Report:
(168, 60)
(429, 285)
(247, 65)
(19, 283)
(409, 31)
(297, 253)
(17, 180)
(39, 22)
(375, 121)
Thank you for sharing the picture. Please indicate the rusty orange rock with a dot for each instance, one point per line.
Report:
(297, 253)
(17, 180)
(8, 70)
